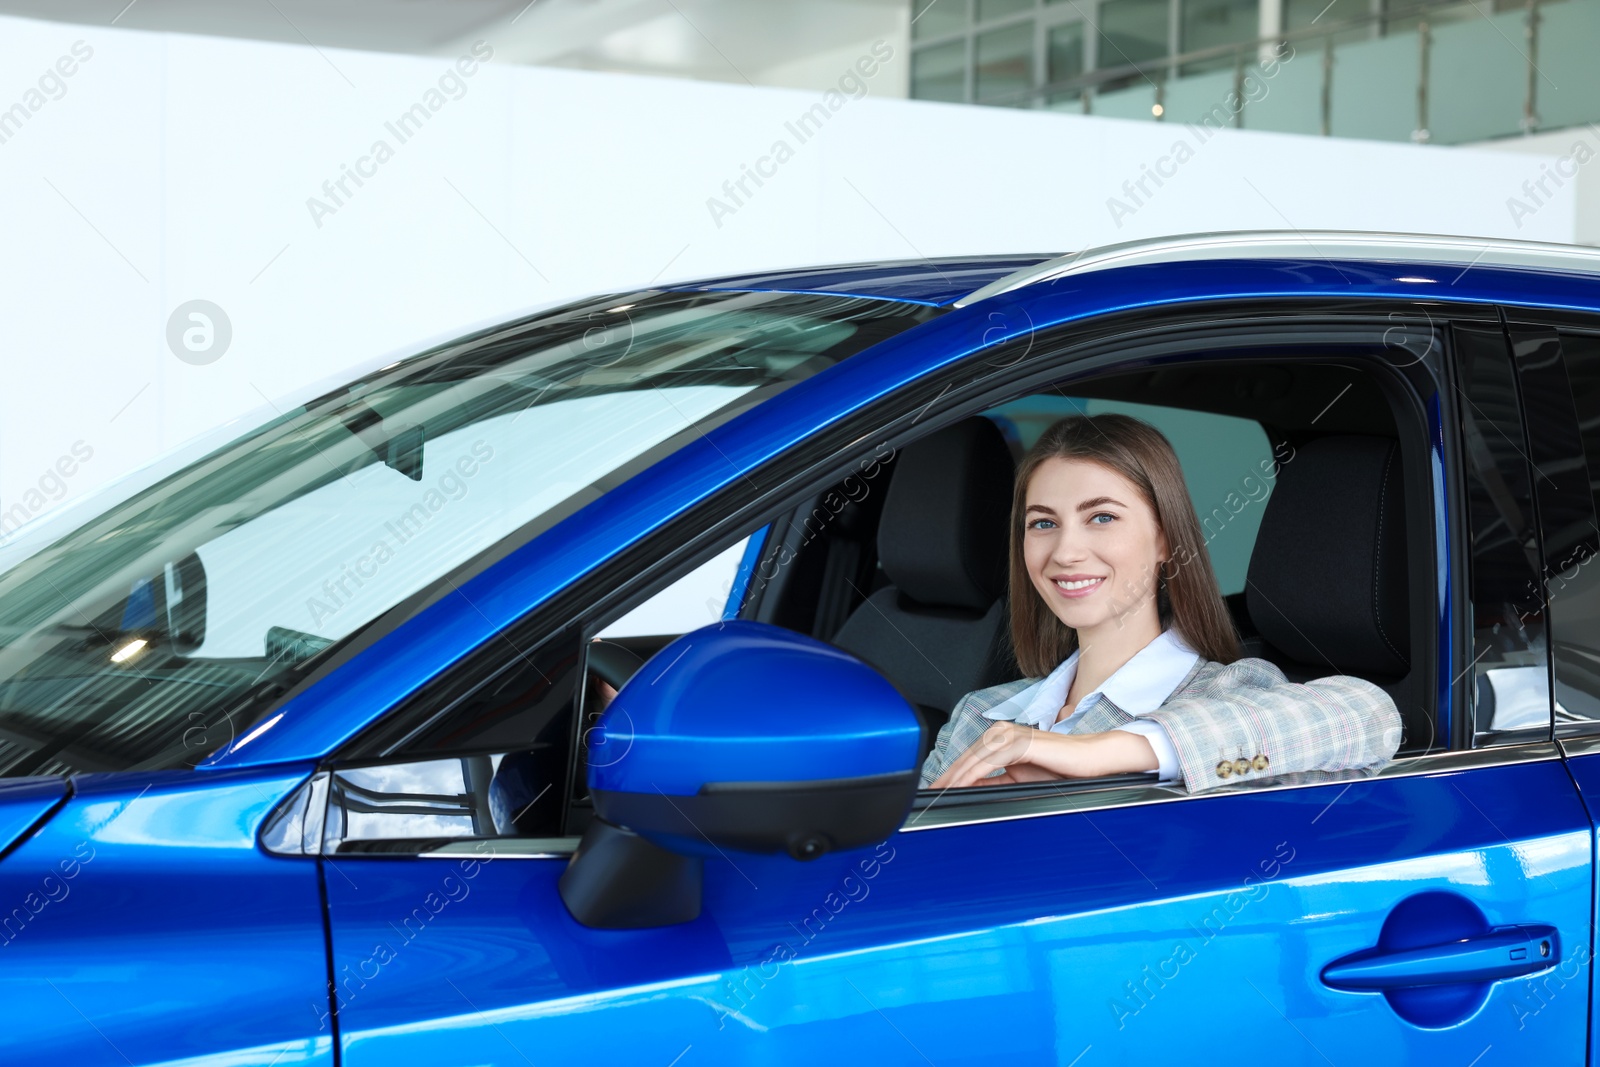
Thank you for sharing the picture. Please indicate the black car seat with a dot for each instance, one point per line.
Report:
(1327, 586)
(939, 629)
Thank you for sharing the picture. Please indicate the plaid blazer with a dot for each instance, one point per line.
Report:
(1228, 712)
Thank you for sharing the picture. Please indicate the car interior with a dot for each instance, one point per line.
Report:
(1298, 472)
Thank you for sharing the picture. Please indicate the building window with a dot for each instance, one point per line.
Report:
(1005, 63)
(1133, 32)
(937, 18)
(1064, 55)
(940, 72)
(996, 9)
(1217, 24)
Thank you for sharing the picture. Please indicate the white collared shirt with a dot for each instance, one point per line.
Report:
(1138, 687)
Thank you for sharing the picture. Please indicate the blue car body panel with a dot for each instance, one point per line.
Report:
(25, 802)
(1585, 771)
(361, 690)
(148, 927)
(967, 944)
(748, 562)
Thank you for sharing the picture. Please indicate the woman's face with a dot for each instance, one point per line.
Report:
(1091, 543)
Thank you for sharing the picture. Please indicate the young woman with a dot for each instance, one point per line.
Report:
(1133, 659)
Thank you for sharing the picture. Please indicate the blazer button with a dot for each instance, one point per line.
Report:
(1241, 766)
(1224, 769)
(1260, 762)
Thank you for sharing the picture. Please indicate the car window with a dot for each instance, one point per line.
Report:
(699, 597)
(818, 552)
(203, 594)
(1231, 463)
(1572, 574)
(1581, 353)
(1510, 665)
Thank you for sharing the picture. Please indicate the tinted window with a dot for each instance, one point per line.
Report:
(1571, 535)
(1582, 354)
(1510, 671)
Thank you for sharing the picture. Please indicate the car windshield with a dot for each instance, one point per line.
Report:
(144, 635)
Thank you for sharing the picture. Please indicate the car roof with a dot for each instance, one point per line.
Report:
(1328, 246)
(958, 281)
(935, 282)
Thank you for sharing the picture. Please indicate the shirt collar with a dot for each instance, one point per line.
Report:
(1139, 686)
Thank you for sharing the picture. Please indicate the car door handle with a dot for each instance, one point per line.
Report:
(1504, 952)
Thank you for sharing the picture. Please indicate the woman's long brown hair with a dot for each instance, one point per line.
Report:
(1191, 603)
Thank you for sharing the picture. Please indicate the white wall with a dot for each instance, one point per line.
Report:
(175, 168)
(1562, 166)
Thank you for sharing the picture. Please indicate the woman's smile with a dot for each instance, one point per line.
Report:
(1078, 585)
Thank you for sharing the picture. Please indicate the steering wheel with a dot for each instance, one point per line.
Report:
(612, 663)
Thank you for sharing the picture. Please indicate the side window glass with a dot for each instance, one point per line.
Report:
(1509, 682)
(1571, 537)
(710, 592)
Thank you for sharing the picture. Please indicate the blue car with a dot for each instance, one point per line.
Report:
(558, 695)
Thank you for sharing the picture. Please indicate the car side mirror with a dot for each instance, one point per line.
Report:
(738, 736)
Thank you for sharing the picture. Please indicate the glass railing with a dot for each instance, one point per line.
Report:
(1442, 73)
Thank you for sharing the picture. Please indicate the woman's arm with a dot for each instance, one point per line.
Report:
(1329, 724)
(940, 755)
(1030, 755)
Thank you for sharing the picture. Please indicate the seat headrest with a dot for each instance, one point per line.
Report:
(942, 536)
(1327, 578)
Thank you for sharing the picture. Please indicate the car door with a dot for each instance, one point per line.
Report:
(1376, 917)
(1558, 361)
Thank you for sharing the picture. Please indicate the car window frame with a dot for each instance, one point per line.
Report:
(988, 377)
(1525, 329)
(1489, 340)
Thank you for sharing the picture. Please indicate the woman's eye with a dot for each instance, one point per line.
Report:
(1097, 516)
(1035, 524)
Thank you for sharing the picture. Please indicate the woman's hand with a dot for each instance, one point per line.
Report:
(1025, 755)
(603, 694)
(1030, 755)
(1003, 745)
(1019, 773)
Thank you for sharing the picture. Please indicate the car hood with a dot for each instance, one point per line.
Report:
(25, 804)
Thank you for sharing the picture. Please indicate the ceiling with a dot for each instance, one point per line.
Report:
(763, 42)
